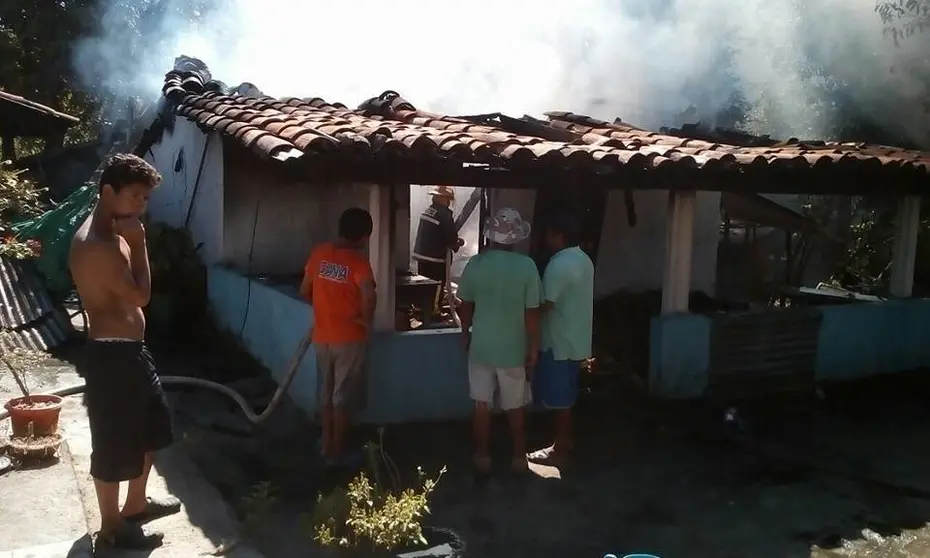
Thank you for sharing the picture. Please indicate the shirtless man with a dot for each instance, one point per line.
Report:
(128, 413)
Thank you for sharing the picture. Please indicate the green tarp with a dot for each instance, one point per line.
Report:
(54, 230)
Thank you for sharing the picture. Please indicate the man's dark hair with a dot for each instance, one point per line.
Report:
(355, 224)
(124, 169)
(567, 225)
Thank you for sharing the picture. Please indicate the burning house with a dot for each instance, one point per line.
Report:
(259, 180)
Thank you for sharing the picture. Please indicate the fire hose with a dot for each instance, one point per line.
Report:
(450, 296)
(250, 415)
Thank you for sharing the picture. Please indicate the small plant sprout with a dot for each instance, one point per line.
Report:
(18, 360)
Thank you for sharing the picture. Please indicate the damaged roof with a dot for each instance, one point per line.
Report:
(20, 117)
(311, 129)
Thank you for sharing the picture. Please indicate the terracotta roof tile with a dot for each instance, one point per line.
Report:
(294, 127)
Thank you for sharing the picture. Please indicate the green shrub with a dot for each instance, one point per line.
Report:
(371, 514)
(19, 199)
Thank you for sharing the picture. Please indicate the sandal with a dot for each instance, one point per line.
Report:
(130, 537)
(482, 463)
(156, 508)
(547, 456)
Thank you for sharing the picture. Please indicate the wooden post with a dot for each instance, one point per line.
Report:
(904, 249)
(483, 213)
(381, 254)
(676, 284)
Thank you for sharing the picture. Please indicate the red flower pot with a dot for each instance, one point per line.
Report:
(40, 410)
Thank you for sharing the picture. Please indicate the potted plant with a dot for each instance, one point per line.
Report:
(31, 415)
(374, 517)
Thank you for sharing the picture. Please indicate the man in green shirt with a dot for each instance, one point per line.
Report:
(499, 289)
(568, 313)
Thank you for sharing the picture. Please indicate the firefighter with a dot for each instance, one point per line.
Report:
(436, 235)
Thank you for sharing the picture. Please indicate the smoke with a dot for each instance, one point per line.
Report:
(783, 67)
(788, 68)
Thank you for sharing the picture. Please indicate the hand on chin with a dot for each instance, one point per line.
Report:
(129, 227)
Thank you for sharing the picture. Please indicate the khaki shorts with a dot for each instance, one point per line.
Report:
(484, 380)
(341, 369)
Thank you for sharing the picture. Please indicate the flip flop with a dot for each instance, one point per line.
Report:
(546, 456)
(130, 537)
(156, 508)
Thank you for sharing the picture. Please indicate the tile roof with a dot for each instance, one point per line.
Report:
(293, 128)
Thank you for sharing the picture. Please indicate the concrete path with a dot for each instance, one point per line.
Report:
(41, 506)
(48, 513)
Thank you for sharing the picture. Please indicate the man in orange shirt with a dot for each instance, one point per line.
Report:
(340, 286)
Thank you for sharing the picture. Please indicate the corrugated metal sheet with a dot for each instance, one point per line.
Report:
(52, 330)
(22, 294)
(758, 353)
(27, 311)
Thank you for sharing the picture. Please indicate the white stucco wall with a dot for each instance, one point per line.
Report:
(182, 149)
(633, 258)
(292, 217)
(290, 221)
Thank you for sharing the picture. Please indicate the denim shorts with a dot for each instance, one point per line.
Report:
(555, 384)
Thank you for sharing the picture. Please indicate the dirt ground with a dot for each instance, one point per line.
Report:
(843, 474)
(846, 474)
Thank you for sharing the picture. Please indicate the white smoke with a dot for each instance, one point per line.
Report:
(794, 67)
(644, 61)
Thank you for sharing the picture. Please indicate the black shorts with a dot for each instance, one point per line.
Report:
(126, 406)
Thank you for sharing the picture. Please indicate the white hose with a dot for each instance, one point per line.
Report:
(450, 297)
(253, 418)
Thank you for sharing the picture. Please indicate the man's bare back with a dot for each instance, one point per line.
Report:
(102, 268)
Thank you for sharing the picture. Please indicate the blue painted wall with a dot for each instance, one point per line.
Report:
(423, 375)
(679, 358)
(856, 340)
(412, 376)
(274, 325)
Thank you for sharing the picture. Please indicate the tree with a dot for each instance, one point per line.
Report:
(903, 18)
(38, 39)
